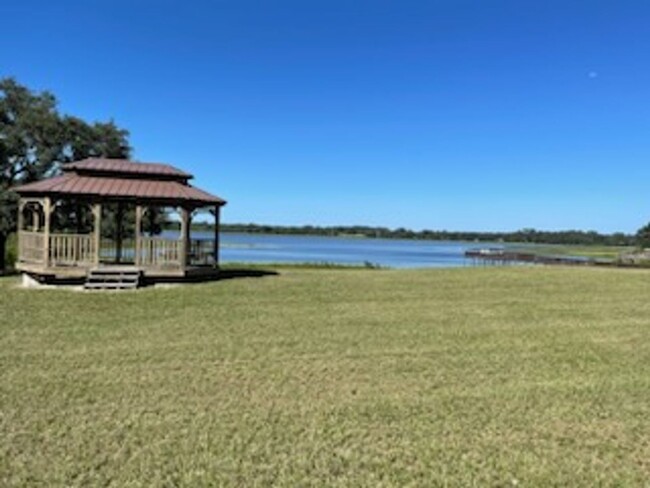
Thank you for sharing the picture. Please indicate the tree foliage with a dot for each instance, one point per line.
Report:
(643, 237)
(524, 235)
(35, 139)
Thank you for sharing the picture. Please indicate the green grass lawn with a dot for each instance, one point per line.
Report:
(606, 253)
(526, 376)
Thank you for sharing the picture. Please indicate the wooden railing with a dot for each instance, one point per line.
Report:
(79, 250)
(31, 247)
(159, 252)
(109, 251)
(201, 252)
(72, 249)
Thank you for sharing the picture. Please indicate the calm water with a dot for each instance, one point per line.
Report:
(393, 253)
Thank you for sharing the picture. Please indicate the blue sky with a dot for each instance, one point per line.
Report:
(460, 115)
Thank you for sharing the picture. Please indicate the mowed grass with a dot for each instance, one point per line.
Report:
(598, 252)
(462, 377)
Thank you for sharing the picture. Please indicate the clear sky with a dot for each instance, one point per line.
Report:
(458, 115)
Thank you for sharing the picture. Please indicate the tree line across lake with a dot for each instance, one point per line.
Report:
(576, 237)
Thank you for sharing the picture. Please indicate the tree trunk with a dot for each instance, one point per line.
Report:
(3, 249)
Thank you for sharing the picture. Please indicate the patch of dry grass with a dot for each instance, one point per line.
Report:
(485, 377)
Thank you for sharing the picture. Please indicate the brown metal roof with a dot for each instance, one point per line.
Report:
(72, 183)
(125, 167)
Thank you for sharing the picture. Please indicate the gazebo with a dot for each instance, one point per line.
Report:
(60, 221)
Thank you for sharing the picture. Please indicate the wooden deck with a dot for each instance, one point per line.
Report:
(78, 272)
(71, 256)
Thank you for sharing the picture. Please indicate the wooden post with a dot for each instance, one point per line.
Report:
(21, 224)
(36, 218)
(97, 231)
(138, 230)
(47, 209)
(186, 222)
(217, 219)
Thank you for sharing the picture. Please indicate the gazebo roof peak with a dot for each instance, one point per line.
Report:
(125, 167)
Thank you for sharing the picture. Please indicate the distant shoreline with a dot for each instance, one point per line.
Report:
(524, 236)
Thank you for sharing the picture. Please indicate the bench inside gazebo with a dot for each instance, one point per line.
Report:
(94, 217)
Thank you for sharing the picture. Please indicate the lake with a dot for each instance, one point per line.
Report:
(393, 253)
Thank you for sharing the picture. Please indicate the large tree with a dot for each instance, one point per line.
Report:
(643, 237)
(35, 139)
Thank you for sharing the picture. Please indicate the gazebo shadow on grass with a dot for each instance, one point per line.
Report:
(220, 275)
(229, 274)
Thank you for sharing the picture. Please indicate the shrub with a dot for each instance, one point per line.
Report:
(11, 251)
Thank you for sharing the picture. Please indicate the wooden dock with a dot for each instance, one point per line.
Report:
(504, 256)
